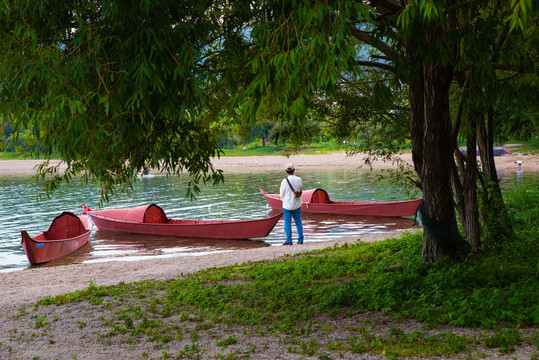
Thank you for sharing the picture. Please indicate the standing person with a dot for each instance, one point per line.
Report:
(291, 204)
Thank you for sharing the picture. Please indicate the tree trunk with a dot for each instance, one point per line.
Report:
(470, 214)
(464, 174)
(493, 212)
(437, 158)
(432, 148)
(485, 139)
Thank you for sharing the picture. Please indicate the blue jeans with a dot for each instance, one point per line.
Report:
(288, 215)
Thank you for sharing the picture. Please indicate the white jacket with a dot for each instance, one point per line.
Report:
(290, 201)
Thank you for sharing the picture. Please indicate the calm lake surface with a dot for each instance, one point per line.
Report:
(237, 198)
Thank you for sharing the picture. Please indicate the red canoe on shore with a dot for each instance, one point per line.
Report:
(318, 201)
(152, 220)
(68, 232)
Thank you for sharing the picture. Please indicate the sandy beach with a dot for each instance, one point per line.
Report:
(22, 288)
(303, 163)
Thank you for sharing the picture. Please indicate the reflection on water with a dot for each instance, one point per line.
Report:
(237, 198)
(116, 246)
(107, 245)
(331, 225)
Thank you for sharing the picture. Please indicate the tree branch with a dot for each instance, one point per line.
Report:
(368, 39)
(509, 77)
(376, 65)
(505, 67)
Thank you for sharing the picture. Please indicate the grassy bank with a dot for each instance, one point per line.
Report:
(256, 149)
(7, 155)
(304, 300)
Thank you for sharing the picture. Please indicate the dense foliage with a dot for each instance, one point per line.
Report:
(112, 87)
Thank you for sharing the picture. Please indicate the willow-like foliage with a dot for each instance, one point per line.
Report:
(113, 86)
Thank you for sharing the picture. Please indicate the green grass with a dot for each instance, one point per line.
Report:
(255, 149)
(7, 155)
(484, 291)
(282, 298)
(251, 150)
(530, 147)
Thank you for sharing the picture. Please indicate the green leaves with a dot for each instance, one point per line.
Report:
(122, 91)
(305, 47)
(155, 83)
(418, 10)
(520, 9)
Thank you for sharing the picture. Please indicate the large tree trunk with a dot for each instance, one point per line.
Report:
(432, 147)
(437, 159)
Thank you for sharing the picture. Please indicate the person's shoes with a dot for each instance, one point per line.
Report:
(287, 243)
(300, 243)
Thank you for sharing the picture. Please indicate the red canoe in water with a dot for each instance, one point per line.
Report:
(318, 201)
(68, 232)
(152, 220)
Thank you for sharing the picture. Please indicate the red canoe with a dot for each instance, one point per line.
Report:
(318, 201)
(152, 220)
(68, 232)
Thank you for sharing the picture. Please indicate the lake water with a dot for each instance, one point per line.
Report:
(237, 198)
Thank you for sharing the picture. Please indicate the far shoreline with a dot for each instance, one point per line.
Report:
(303, 162)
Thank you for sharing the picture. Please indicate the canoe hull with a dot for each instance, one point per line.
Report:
(386, 208)
(118, 220)
(51, 245)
